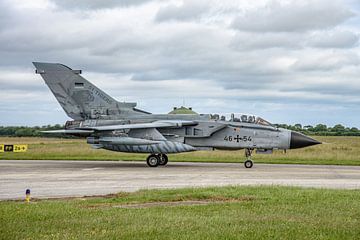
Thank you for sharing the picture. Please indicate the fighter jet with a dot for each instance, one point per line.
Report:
(120, 126)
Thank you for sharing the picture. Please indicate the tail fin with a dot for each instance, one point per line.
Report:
(78, 97)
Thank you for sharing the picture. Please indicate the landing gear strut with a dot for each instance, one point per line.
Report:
(163, 159)
(155, 160)
(248, 163)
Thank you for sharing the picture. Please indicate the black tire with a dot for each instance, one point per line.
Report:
(153, 160)
(163, 159)
(248, 164)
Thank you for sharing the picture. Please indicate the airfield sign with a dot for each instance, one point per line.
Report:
(13, 147)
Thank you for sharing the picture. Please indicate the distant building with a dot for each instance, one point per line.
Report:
(182, 110)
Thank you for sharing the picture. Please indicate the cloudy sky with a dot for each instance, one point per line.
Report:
(290, 61)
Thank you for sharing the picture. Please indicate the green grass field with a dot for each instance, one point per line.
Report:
(336, 150)
(225, 213)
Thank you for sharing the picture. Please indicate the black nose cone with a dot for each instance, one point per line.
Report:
(299, 140)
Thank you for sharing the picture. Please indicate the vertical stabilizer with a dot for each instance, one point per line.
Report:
(79, 98)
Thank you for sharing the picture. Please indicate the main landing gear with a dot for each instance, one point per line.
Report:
(155, 160)
(248, 163)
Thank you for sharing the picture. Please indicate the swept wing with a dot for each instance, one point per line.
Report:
(156, 124)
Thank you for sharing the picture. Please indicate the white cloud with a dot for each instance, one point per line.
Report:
(293, 16)
(183, 11)
(251, 40)
(97, 4)
(333, 39)
(326, 61)
(264, 57)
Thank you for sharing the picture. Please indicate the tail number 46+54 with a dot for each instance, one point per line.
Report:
(237, 138)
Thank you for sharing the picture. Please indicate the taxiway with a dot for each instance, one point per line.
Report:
(50, 179)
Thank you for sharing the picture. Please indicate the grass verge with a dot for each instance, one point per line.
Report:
(230, 213)
(335, 150)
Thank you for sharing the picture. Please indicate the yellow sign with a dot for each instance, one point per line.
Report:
(20, 148)
(13, 147)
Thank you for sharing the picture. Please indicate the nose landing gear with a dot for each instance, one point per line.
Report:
(155, 160)
(248, 163)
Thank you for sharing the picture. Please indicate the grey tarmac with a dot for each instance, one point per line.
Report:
(52, 179)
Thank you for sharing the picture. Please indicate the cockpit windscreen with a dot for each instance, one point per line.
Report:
(243, 118)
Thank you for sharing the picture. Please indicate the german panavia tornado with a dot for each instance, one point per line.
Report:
(120, 126)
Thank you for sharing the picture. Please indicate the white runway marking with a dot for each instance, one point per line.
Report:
(92, 169)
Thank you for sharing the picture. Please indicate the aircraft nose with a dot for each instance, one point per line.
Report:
(299, 140)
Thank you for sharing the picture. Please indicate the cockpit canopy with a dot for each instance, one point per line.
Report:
(243, 118)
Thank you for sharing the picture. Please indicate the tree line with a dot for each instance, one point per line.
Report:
(323, 130)
(23, 131)
(319, 129)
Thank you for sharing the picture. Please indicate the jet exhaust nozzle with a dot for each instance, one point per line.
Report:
(299, 140)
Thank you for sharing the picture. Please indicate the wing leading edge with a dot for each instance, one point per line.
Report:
(156, 124)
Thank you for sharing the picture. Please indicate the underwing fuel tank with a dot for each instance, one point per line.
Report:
(139, 145)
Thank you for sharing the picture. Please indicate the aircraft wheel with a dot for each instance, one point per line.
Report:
(248, 164)
(153, 160)
(163, 159)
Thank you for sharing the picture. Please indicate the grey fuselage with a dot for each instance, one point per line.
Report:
(204, 134)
